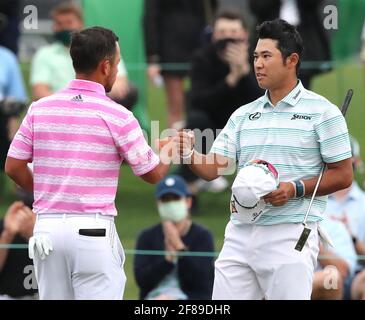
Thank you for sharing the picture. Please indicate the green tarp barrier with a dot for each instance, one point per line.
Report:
(346, 39)
(124, 18)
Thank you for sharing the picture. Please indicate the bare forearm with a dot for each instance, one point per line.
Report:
(163, 169)
(208, 167)
(329, 259)
(333, 179)
(157, 173)
(21, 176)
(5, 238)
(360, 249)
(201, 167)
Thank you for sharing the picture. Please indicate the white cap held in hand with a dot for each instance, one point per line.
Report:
(256, 179)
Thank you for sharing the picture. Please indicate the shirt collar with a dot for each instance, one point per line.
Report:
(290, 99)
(86, 85)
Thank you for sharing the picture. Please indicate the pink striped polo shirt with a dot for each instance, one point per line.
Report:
(77, 139)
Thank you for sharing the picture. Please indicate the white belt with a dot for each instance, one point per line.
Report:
(74, 215)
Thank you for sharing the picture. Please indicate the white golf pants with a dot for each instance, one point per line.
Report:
(80, 266)
(260, 262)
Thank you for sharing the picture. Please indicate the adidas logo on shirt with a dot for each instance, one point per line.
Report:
(77, 98)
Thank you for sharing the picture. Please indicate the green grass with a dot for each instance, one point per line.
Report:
(135, 200)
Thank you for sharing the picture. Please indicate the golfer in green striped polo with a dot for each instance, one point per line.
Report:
(297, 131)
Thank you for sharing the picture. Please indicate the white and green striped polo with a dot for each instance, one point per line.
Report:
(297, 135)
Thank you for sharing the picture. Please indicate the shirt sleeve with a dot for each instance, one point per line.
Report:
(40, 71)
(15, 88)
(133, 148)
(21, 147)
(225, 144)
(333, 137)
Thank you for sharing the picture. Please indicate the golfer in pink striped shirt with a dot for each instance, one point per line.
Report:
(77, 140)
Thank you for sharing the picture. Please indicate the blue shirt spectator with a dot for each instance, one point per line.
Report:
(337, 263)
(352, 208)
(342, 243)
(11, 87)
(11, 81)
(348, 207)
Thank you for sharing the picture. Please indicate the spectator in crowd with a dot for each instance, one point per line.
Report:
(52, 66)
(12, 94)
(305, 15)
(348, 206)
(355, 285)
(336, 264)
(10, 18)
(12, 100)
(16, 228)
(172, 276)
(173, 30)
(222, 80)
(358, 283)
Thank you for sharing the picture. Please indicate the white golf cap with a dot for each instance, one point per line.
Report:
(256, 179)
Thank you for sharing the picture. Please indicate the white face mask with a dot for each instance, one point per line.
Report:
(174, 211)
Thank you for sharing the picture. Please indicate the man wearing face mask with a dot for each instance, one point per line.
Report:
(52, 65)
(174, 276)
(221, 81)
(221, 76)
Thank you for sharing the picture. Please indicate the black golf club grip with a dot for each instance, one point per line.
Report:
(346, 102)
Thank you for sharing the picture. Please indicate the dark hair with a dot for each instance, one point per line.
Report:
(287, 36)
(66, 8)
(90, 46)
(230, 14)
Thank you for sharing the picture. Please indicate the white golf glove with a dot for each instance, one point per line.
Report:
(40, 243)
(324, 236)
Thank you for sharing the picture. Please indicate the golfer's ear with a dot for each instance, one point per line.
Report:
(293, 60)
(105, 66)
